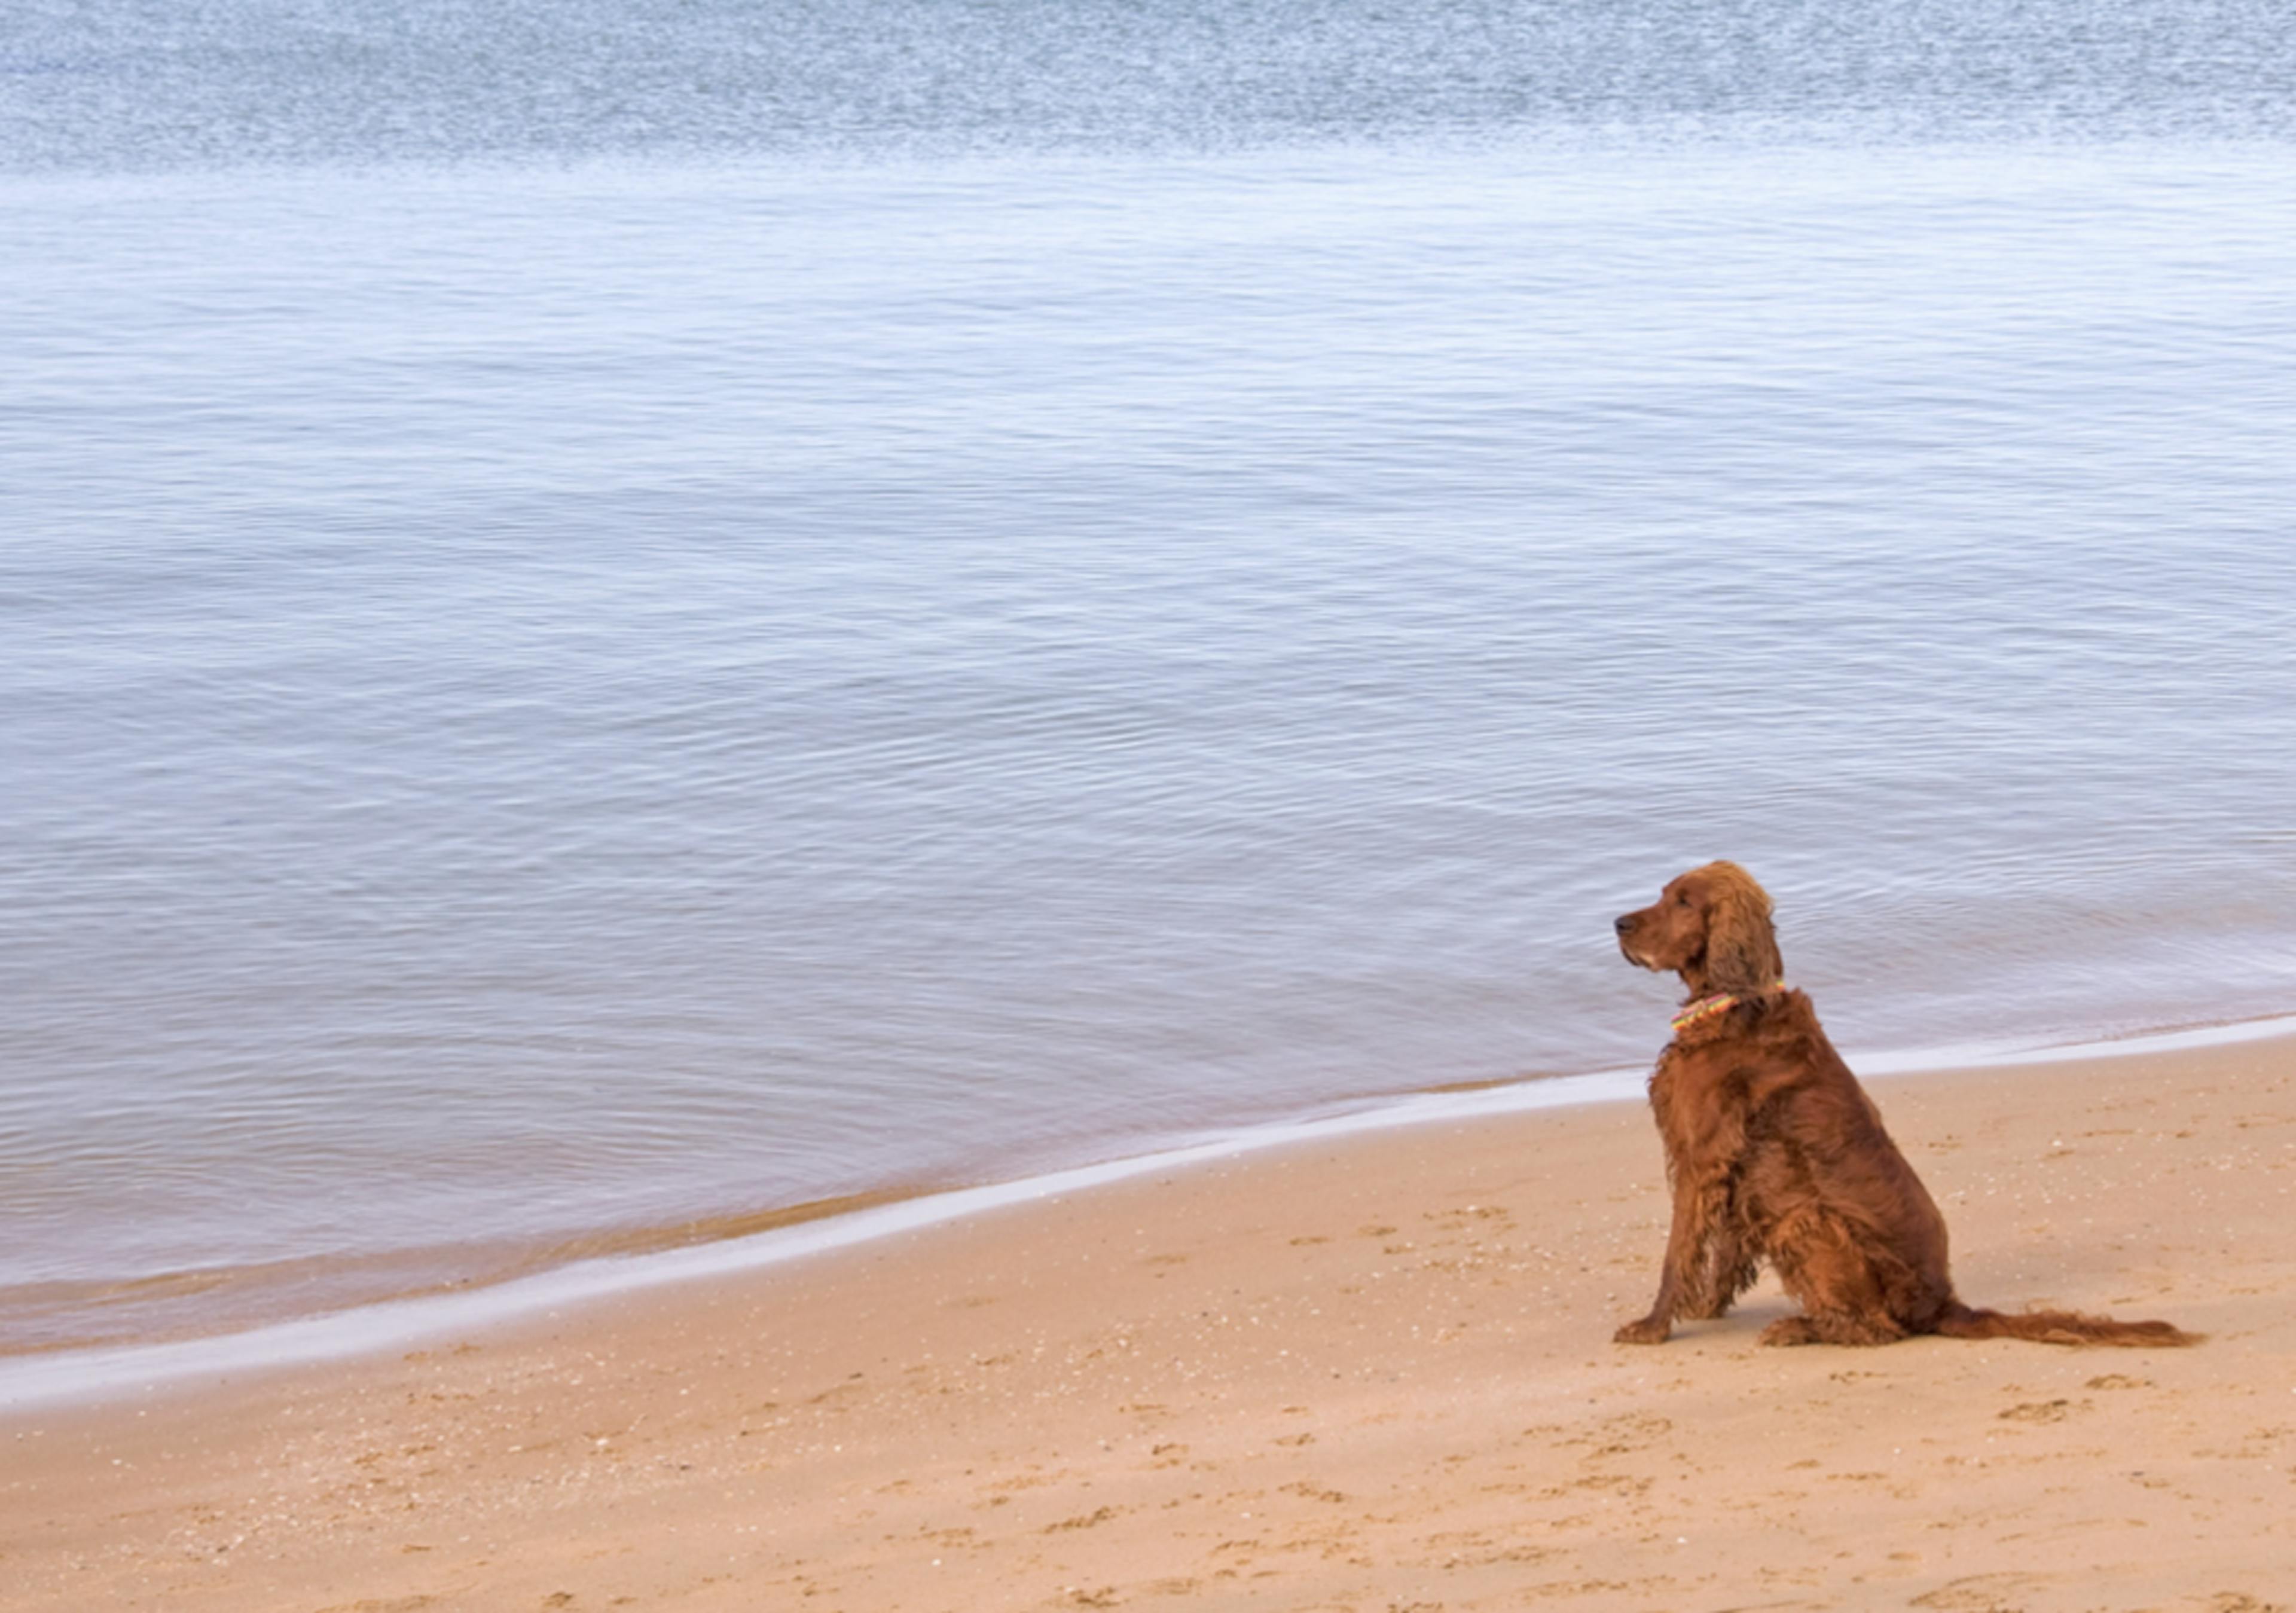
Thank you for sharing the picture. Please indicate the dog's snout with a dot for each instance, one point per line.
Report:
(1623, 923)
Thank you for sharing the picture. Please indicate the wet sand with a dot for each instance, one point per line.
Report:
(1371, 1374)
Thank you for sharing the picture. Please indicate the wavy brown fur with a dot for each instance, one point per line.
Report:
(1776, 1154)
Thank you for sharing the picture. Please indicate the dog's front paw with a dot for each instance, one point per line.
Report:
(1647, 1329)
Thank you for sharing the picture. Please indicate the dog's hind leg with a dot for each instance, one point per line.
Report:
(1834, 1327)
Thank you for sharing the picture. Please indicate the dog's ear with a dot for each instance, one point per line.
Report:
(1741, 949)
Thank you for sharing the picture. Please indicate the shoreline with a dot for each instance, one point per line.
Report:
(1363, 1372)
(33, 1379)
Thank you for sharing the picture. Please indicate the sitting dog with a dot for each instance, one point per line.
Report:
(1776, 1153)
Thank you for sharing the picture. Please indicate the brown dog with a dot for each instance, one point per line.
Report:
(1776, 1153)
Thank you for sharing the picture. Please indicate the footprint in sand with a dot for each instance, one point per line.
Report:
(1980, 1593)
(1089, 1520)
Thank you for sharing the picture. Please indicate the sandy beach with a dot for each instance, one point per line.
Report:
(1373, 1374)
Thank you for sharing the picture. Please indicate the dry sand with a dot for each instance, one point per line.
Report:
(1373, 1374)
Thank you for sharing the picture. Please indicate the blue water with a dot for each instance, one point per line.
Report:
(612, 619)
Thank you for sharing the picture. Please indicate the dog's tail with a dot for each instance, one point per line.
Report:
(1960, 1321)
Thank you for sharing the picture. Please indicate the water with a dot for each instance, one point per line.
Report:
(145, 83)
(615, 621)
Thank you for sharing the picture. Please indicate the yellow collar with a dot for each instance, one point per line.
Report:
(1706, 1008)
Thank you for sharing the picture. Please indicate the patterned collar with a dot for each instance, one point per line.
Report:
(1706, 1008)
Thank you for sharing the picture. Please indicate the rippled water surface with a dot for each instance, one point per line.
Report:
(612, 619)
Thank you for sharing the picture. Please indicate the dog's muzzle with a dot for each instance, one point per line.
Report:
(1625, 925)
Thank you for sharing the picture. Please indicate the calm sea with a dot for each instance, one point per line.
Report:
(615, 617)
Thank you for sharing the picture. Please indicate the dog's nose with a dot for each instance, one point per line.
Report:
(1623, 923)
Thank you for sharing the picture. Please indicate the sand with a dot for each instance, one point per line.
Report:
(1373, 1374)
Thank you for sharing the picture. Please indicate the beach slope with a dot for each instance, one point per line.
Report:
(1371, 1374)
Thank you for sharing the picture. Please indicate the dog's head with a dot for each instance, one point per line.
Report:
(1711, 926)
